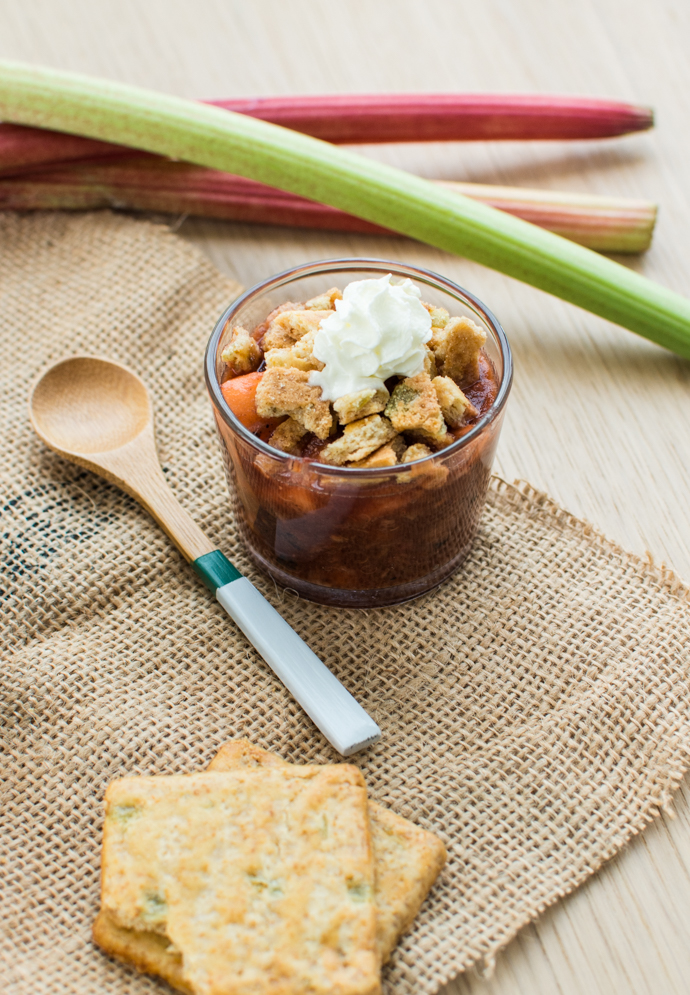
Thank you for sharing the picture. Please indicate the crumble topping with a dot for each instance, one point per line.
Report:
(414, 406)
(454, 404)
(406, 420)
(388, 455)
(350, 407)
(324, 302)
(439, 315)
(242, 354)
(300, 355)
(457, 346)
(414, 452)
(430, 362)
(359, 439)
(262, 328)
(287, 436)
(286, 391)
(289, 326)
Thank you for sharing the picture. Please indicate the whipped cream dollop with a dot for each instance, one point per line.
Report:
(379, 329)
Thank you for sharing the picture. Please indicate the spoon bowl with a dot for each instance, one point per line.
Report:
(86, 405)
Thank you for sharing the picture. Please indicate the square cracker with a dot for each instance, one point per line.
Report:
(251, 881)
(407, 859)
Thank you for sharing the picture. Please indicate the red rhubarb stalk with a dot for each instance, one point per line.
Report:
(374, 119)
(445, 117)
(152, 184)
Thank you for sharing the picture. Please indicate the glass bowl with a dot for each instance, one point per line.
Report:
(357, 538)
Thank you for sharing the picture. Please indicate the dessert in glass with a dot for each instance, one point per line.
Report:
(358, 404)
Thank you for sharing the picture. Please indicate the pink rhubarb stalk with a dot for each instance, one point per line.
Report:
(444, 117)
(367, 118)
(147, 183)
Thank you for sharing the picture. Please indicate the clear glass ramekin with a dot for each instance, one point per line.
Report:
(357, 538)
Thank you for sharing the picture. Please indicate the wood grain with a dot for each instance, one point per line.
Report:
(598, 418)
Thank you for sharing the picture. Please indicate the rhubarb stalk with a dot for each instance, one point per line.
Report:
(372, 118)
(149, 183)
(381, 194)
(607, 224)
(446, 117)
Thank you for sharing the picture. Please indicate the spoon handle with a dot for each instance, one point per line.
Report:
(343, 722)
(328, 704)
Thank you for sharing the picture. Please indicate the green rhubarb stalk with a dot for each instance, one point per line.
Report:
(235, 143)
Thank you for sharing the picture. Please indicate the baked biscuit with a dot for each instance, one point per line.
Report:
(359, 439)
(388, 455)
(300, 355)
(407, 859)
(261, 880)
(457, 346)
(454, 405)
(243, 753)
(286, 391)
(414, 407)
(242, 354)
(287, 437)
(325, 301)
(360, 404)
(289, 326)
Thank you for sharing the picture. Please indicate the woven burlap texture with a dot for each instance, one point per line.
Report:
(534, 709)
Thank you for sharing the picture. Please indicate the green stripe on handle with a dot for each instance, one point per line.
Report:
(215, 570)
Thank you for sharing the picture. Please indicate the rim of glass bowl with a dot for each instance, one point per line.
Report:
(325, 266)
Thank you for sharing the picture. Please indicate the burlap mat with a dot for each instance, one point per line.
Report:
(534, 709)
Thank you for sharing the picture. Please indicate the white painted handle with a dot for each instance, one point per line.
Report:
(343, 722)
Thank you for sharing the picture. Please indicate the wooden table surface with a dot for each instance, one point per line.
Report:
(598, 417)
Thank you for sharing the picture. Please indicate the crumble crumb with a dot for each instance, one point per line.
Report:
(300, 355)
(414, 407)
(361, 403)
(388, 455)
(289, 326)
(457, 347)
(286, 391)
(454, 405)
(325, 301)
(439, 315)
(430, 363)
(417, 451)
(359, 439)
(261, 329)
(287, 437)
(427, 475)
(241, 353)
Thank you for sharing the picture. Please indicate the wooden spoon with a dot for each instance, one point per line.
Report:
(98, 414)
